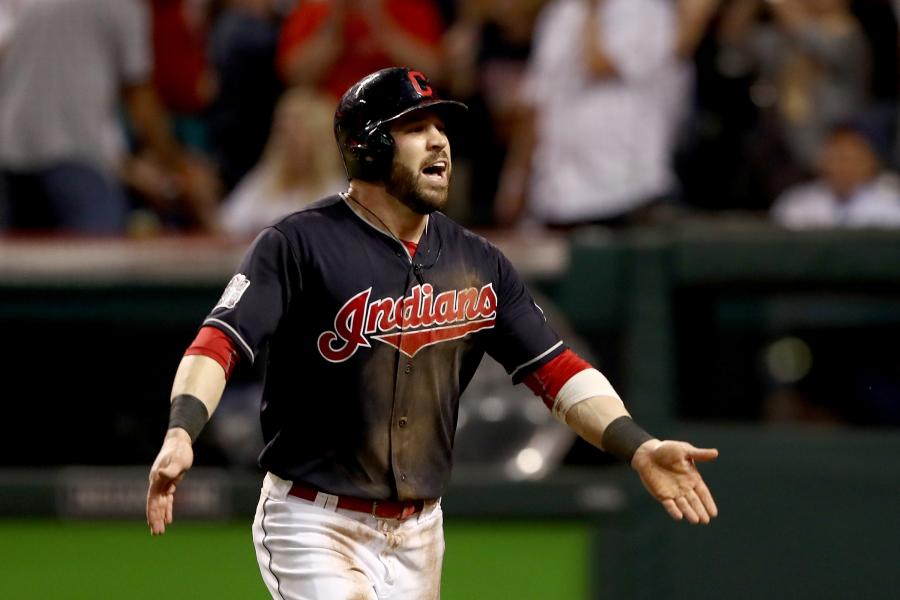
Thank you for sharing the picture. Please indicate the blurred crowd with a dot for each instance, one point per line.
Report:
(139, 117)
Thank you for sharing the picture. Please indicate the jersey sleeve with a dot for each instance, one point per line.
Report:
(259, 295)
(522, 339)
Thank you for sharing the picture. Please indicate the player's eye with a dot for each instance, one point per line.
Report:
(422, 125)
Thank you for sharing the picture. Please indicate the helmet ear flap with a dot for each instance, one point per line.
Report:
(375, 154)
(380, 139)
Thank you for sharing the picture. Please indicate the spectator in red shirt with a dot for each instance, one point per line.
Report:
(330, 44)
(182, 75)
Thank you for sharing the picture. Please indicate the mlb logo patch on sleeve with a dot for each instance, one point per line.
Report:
(233, 292)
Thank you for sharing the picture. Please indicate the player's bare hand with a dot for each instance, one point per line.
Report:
(669, 472)
(174, 459)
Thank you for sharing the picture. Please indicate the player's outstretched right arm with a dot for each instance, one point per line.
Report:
(199, 383)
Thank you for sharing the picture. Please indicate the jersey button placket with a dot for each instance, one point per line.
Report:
(400, 442)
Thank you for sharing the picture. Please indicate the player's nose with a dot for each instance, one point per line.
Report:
(436, 139)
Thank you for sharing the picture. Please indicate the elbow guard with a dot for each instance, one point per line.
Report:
(567, 380)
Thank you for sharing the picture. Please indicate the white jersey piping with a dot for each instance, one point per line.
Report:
(536, 358)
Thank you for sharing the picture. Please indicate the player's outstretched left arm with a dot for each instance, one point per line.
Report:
(667, 468)
(199, 383)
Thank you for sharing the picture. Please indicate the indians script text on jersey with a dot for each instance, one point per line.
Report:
(411, 323)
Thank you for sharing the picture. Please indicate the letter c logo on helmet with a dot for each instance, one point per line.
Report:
(420, 83)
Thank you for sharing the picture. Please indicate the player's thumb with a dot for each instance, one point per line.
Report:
(172, 471)
(703, 454)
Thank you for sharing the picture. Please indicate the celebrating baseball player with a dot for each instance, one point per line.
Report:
(376, 309)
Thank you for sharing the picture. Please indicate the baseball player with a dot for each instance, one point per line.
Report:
(376, 309)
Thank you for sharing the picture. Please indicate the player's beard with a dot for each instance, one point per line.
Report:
(404, 184)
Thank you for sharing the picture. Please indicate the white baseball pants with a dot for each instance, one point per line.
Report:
(315, 551)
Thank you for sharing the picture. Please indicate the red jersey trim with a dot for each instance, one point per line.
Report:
(410, 247)
(547, 380)
(213, 343)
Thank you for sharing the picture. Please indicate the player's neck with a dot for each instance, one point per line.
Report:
(384, 210)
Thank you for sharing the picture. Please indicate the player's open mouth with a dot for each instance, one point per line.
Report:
(437, 171)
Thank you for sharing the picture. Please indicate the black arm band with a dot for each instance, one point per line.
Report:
(623, 437)
(189, 413)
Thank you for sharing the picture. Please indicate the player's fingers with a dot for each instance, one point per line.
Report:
(152, 500)
(707, 499)
(703, 454)
(672, 509)
(685, 507)
(159, 496)
(170, 503)
(155, 514)
(698, 507)
(159, 481)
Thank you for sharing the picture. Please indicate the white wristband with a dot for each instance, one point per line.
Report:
(581, 386)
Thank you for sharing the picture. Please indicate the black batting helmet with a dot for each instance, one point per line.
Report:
(364, 114)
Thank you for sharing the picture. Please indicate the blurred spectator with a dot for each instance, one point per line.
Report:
(853, 189)
(330, 44)
(68, 64)
(486, 53)
(243, 46)
(811, 63)
(182, 75)
(9, 12)
(606, 85)
(298, 166)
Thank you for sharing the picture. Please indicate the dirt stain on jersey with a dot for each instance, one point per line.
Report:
(460, 280)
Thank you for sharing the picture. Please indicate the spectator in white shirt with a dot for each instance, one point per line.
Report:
(605, 88)
(853, 188)
(67, 65)
(9, 12)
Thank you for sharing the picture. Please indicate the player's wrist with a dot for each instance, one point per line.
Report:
(623, 437)
(643, 452)
(178, 434)
(189, 414)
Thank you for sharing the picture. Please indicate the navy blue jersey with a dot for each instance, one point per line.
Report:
(369, 350)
